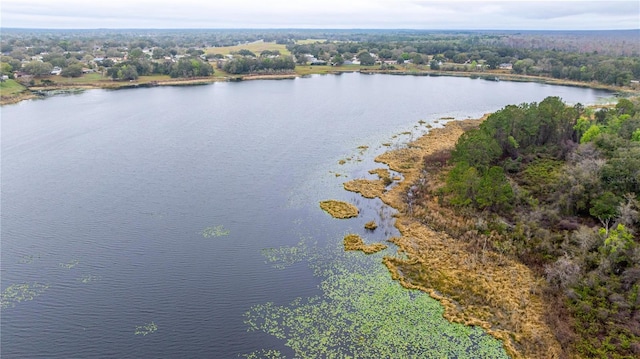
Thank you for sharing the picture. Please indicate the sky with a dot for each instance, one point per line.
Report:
(322, 14)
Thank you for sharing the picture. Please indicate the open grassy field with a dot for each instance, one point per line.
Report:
(309, 41)
(84, 79)
(10, 87)
(255, 47)
(322, 70)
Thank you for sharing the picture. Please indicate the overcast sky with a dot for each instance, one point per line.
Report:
(342, 14)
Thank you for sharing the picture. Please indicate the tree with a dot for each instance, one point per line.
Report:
(494, 190)
(605, 208)
(462, 183)
(38, 68)
(245, 52)
(73, 70)
(366, 59)
(337, 60)
(478, 148)
(128, 72)
(590, 134)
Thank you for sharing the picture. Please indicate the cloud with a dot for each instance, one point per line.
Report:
(322, 14)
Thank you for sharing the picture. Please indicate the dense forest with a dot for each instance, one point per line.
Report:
(558, 188)
(606, 57)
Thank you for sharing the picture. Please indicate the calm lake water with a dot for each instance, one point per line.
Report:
(106, 194)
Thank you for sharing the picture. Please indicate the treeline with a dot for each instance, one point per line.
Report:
(559, 188)
(608, 57)
(266, 63)
(131, 70)
(450, 53)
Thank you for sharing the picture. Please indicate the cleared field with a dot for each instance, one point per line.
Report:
(255, 47)
(309, 41)
(84, 79)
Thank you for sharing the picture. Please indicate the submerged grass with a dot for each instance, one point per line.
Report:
(22, 292)
(146, 329)
(217, 231)
(363, 313)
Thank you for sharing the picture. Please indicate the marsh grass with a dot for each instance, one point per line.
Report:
(371, 225)
(367, 188)
(339, 209)
(353, 242)
(476, 287)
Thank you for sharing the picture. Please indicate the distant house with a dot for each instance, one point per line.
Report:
(56, 71)
(506, 66)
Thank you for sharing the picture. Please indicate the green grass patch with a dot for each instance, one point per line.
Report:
(303, 70)
(11, 87)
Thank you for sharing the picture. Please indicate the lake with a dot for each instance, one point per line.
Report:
(166, 222)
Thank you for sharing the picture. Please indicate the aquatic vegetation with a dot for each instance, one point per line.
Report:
(353, 242)
(364, 313)
(217, 231)
(146, 329)
(88, 279)
(27, 259)
(339, 209)
(283, 257)
(265, 354)
(23, 292)
(69, 264)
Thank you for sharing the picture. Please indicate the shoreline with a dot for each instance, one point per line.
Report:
(35, 92)
(482, 289)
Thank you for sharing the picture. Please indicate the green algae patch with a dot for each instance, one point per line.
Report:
(362, 313)
(217, 231)
(353, 242)
(22, 292)
(146, 329)
(339, 209)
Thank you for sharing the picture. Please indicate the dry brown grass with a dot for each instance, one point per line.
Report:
(353, 242)
(339, 209)
(476, 286)
(371, 225)
(367, 188)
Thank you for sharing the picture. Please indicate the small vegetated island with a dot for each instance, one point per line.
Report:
(529, 226)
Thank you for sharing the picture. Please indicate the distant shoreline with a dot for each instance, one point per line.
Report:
(34, 92)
